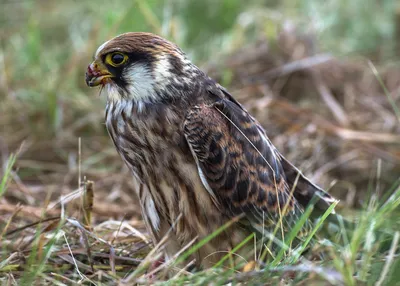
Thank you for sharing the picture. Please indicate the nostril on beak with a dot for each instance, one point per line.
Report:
(96, 75)
(90, 69)
(93, 69)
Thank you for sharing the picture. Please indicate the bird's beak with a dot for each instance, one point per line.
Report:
(97, 74)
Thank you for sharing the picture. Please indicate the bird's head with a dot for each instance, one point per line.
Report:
(141, 67)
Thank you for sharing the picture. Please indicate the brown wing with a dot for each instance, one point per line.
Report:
(241, 168)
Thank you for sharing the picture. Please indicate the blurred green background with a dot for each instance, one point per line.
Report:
(46, 46)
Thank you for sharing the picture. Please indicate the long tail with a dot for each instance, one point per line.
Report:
(305, 190)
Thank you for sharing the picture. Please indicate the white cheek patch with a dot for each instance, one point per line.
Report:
(140, 82)
(144, 83)
(139, 85)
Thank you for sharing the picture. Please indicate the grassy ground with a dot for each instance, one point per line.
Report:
(337, 117)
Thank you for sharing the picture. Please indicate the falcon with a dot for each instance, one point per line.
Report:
(199, 158)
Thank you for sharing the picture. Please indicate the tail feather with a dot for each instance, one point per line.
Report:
(305, 190)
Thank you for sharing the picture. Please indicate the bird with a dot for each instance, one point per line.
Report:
(203, 164)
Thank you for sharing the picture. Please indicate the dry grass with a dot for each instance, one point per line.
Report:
(335, 117)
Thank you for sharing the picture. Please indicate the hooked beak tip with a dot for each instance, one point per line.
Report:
(95, 76)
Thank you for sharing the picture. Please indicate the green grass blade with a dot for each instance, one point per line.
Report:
(204, 241)
(34, 267)
(236, 248)
(6, 175)
(317, 227)
(385, 90)
(295, 230)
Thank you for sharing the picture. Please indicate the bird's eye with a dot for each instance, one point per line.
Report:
(116, 59)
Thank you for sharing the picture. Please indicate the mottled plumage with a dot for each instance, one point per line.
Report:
(199, 157)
